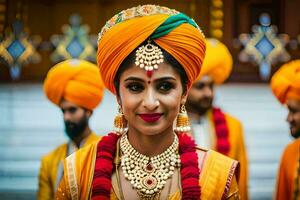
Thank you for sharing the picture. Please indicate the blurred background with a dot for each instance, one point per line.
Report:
(36, 34)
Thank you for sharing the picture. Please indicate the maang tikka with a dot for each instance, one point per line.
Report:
(148, 57)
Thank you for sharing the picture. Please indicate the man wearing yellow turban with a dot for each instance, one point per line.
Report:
(76, 87)
(285, 85)
(211, 127)
(148, 57)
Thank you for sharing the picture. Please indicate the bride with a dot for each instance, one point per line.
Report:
(148, 57)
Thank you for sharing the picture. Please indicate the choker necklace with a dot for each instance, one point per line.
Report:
(148, 175)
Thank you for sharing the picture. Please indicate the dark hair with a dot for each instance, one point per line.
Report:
(168, 58)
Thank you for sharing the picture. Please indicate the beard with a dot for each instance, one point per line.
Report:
(201, 106)
(296, 134)
(73, 129)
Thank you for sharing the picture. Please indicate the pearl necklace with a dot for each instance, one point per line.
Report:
(148, 175)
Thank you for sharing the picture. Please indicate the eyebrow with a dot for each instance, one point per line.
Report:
(156, 80)
(133, 79)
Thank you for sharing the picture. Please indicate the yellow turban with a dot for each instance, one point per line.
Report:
(217, 62)
(130, 28)
(77, 81)
(285, 83)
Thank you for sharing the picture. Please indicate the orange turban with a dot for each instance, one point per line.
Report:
(285, 83)
(77, 81)
(130, 28)
(217, 62)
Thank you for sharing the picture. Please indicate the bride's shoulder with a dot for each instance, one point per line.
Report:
(218, 174)
(210, 158)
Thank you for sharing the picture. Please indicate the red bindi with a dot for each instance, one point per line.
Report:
(149, 73)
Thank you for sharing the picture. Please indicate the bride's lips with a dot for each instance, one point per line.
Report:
(151, 117)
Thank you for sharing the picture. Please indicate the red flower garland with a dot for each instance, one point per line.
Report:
(222, 132)
(190, 171)
(106, 149)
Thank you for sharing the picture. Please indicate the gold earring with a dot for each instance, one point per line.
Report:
(182, 121)
(120, 123)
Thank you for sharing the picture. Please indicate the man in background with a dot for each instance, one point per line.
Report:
(285, 85)
(76, 87)
(211, 127)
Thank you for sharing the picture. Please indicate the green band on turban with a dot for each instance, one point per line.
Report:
(171, 23)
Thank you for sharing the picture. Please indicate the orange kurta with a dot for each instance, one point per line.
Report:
(218, 171)
(49, 168)
(237, 148)
(288, 171)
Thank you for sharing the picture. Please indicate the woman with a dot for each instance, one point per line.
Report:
(148, 57)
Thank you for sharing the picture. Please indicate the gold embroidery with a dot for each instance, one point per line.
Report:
(71, 177)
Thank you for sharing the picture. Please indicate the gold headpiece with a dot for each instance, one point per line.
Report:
(148, 57)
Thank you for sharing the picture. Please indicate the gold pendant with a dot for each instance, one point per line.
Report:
(154, 196)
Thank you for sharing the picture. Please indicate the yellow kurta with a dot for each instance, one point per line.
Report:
(288, 172)
(217, 178)
(237, 148)
(49, 169)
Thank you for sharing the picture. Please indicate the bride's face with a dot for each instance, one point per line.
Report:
(150, 104)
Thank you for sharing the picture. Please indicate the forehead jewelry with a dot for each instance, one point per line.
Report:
(148, 57)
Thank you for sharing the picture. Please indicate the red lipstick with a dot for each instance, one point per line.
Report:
(151, 117)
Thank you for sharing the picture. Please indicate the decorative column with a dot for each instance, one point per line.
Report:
(216, 19)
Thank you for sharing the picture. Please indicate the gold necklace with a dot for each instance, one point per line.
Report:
(148, 175)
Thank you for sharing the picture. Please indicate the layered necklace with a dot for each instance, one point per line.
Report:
(105, 165)
(148, 175)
